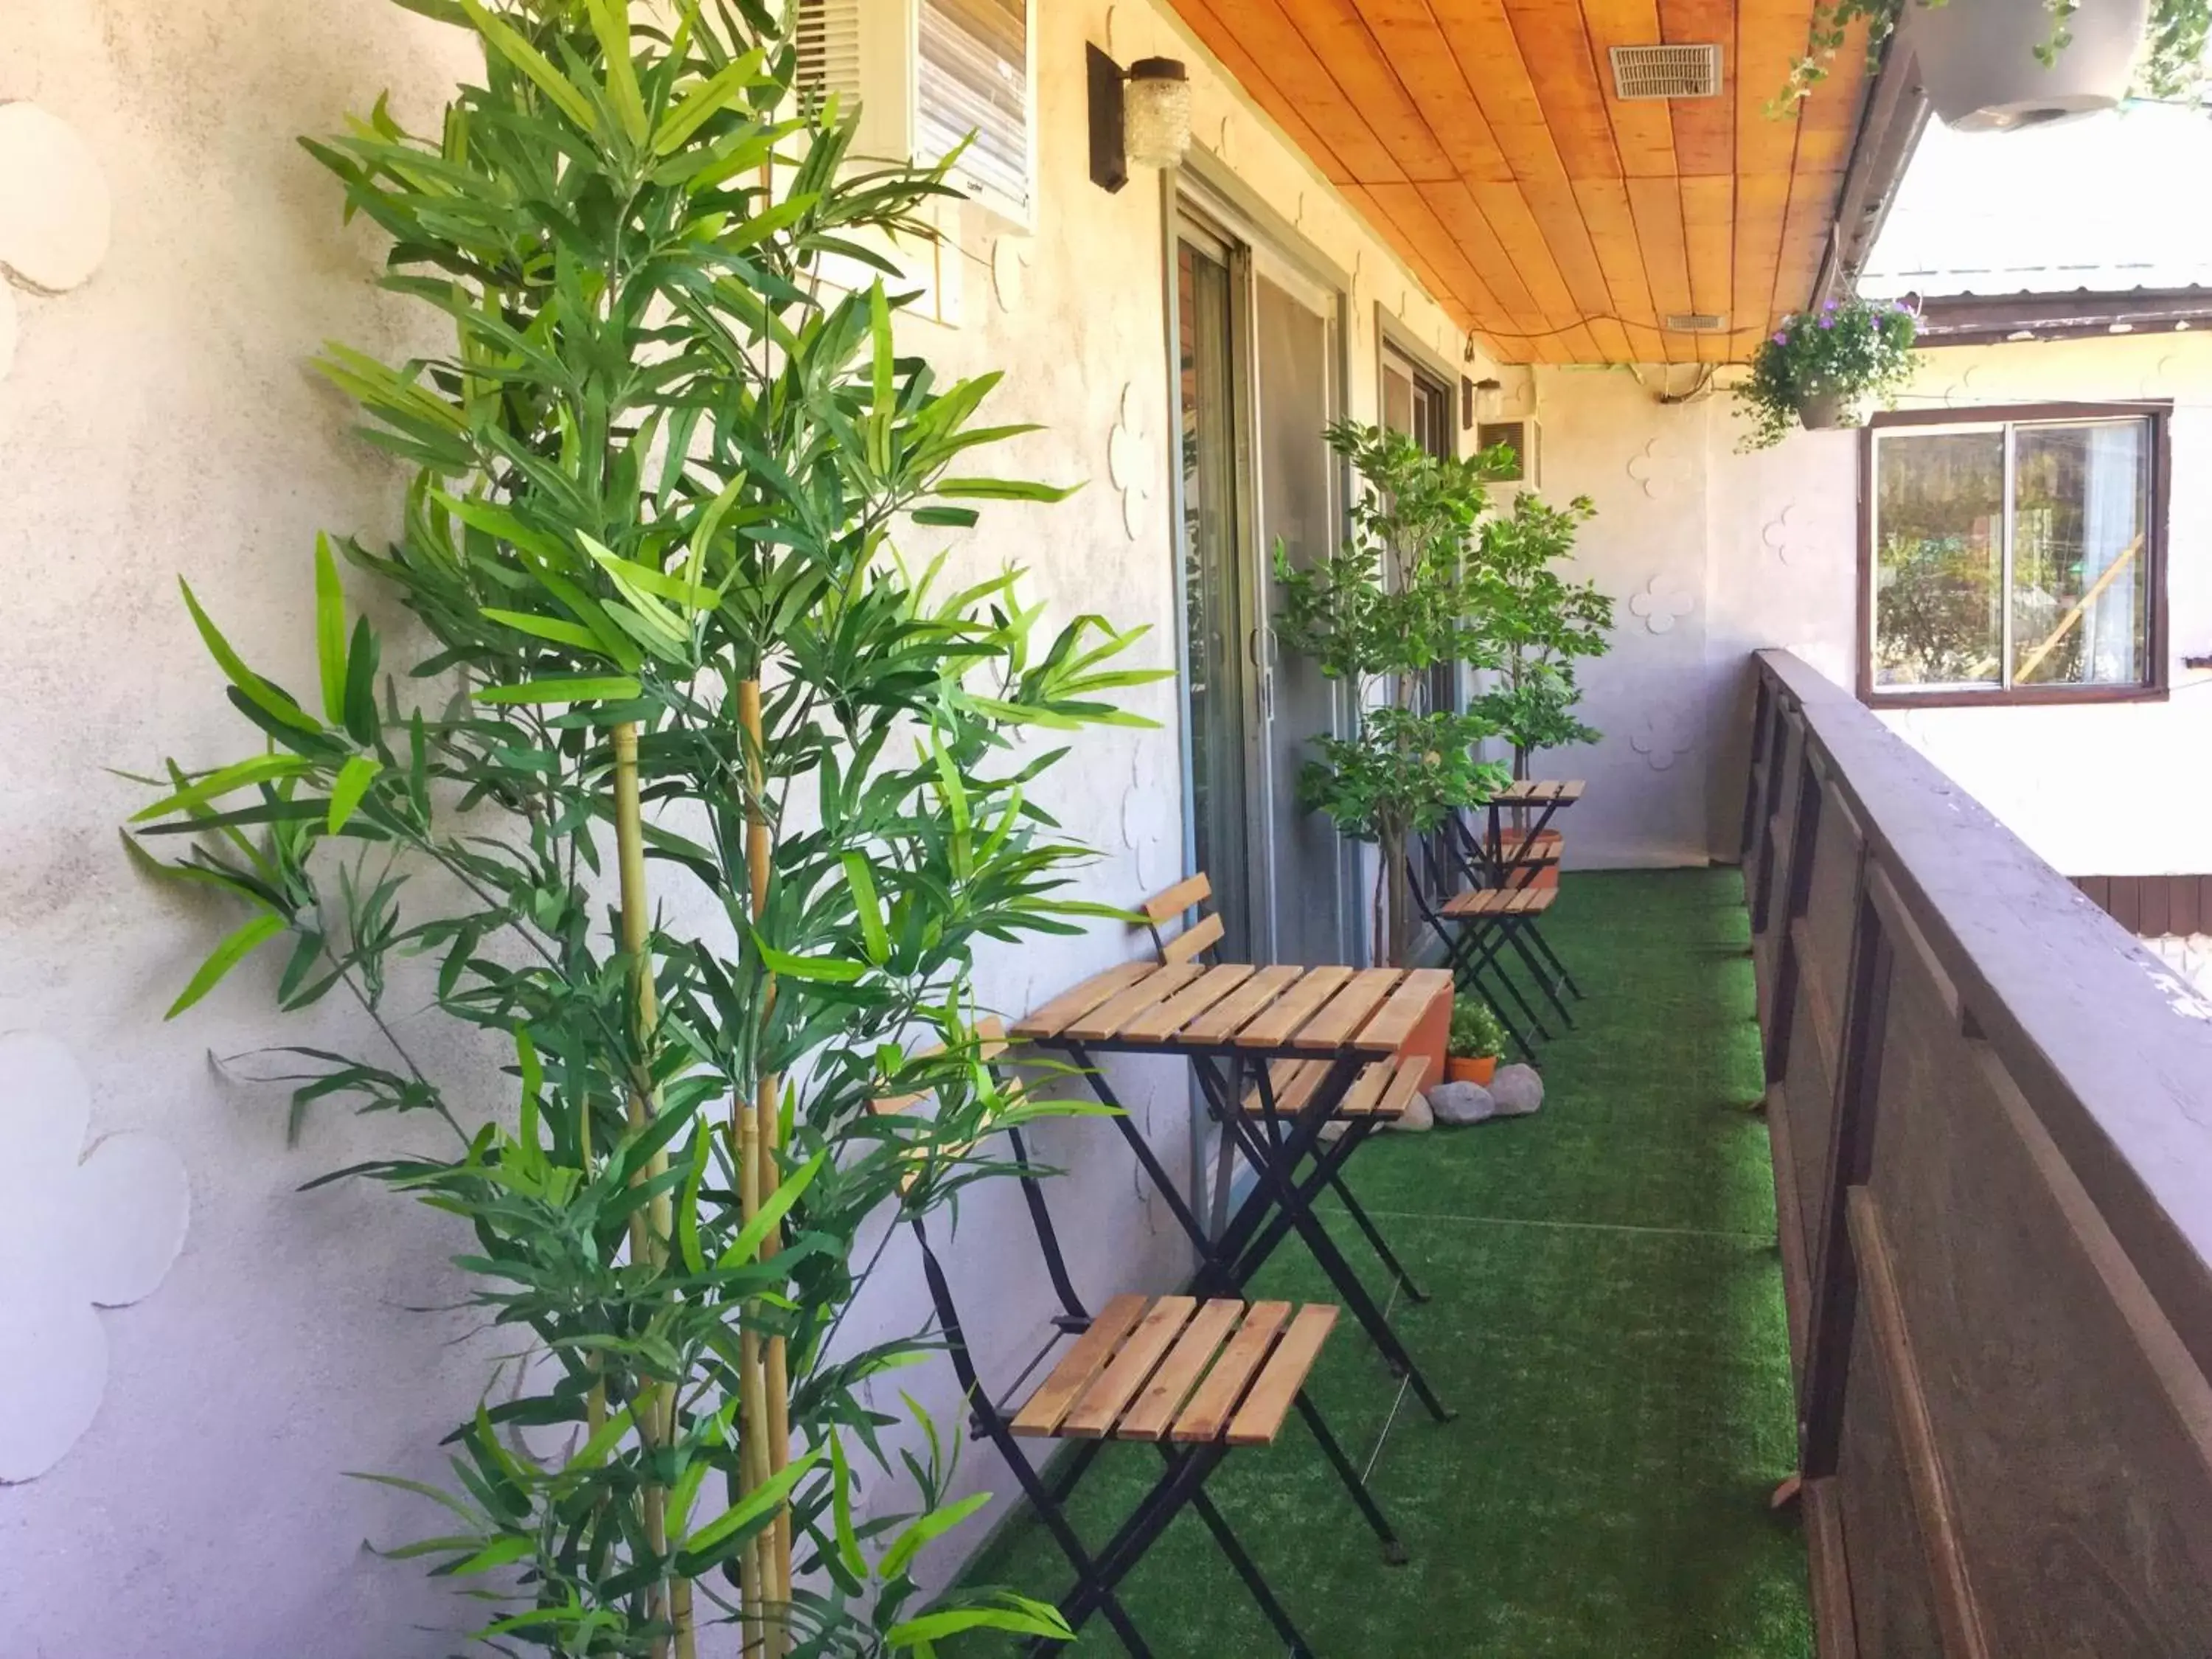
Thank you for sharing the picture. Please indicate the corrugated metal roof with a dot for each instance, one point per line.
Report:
(2100, 205)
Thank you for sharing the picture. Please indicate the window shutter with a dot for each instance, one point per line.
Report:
(973, 77)
(827, 36)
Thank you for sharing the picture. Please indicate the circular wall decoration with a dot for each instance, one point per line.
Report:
(1778, 536)
(1129, 465)
(1010, 272)
(1664, 737)
(55, 218)
(79, 1230)
(1656, 469)
(1661, 602)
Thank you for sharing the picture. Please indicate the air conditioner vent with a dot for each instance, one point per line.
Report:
(1666, 71)
(1697, 322)
(828, 39)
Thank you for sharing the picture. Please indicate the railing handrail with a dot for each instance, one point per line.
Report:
(2111, 1049)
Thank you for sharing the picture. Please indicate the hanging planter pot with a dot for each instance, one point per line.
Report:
(1825, 408)
(1980, 60)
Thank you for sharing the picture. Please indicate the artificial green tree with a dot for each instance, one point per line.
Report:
(700, 784)
(1395, 600)
(1538, 624)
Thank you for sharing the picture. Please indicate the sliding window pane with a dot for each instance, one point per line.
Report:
(1939, 570)
(2080, 564)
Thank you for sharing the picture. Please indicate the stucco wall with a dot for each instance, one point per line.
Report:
(1762, 550)
(160, 420)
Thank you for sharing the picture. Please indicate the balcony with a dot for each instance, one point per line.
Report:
(1607, 1318)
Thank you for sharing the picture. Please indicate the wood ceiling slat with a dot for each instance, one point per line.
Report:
(1704, 128)
(1358, 65)
(1804, 233)
(1708, 230)
(1656, 206)
(1556, 48)
(1221, 40)
(1407, 208)
(1762, 202)
(1505, 208)
(1603, 206)
(1305, 84)
(1407, 31)
(1642, 128)
(1520, 271)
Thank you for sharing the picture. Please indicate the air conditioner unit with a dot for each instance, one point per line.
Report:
(1526, 442)
(928, 75)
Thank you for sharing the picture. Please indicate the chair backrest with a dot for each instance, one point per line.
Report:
(1165, 910)
(991, 1035)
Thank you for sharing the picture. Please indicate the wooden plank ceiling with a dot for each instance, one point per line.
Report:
(1556, 221)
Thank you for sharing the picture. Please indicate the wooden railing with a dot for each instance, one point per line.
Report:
(1991, 1115)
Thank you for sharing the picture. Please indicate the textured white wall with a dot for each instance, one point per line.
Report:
(1764, 547)
(160, 420)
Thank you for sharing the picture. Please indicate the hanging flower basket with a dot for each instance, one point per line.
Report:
(1821, 368)
(1994, 66)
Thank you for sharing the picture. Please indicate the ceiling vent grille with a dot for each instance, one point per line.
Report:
(1697, 322)
(1666, 72)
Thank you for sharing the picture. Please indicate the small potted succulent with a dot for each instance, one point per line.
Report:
(1477, 1040)
(1820, 368)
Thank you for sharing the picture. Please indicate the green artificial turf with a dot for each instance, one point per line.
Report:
(1607, 1317)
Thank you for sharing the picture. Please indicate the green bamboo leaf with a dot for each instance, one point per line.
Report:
(610, 23)
(499, 1554)
(579, 688)
(262, 768)
(257, 691)
(224, 958)
(1002, 489)
(756, 1506)
(353, 781)
(1017, 1614)
(330, 630)
(746, 1245)
(547, 628)
(594, 1451)
(824, 970)
(840, 1510)
(700, 105)
(925, 1529)
(862, 880)
(533, 62)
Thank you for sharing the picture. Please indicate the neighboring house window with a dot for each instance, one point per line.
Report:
(2014, 555)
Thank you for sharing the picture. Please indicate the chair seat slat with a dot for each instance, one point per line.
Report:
(1260, 1418)
(1154, 1413)
(1210, 1409)
(1094, 1416)
(1078, 1367)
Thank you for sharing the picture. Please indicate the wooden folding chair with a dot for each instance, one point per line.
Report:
(1371, 1103)
(1477, 924)
(1194, 1378)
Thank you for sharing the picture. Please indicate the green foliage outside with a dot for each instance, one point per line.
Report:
(1396, 600)
(1475, 1032)
(1855, 349)
(1540, 624)
(2171, 65)
(695, 786)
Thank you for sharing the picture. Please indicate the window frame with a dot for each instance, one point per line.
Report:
(2155, 687)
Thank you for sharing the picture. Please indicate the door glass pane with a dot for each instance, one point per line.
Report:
(1939, 544)
(2080, 514)
(1213, 631)
(1298, 512)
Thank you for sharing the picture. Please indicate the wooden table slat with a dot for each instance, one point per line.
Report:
(1401, 1016)
(1219, 1022)
(1104, 1401)
(1164, 1018)
(1412, 1077)
(1333, 1027)
(1292, 1083)
(1079, 1366)
(1154, 1413)
(1260, 1418)
(1219, 1396)
(1109, 1017)
(1297, 1004)
(1074, 1004)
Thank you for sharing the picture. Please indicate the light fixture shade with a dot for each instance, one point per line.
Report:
(1156, 113)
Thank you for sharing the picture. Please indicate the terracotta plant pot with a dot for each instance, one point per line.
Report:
(1548, 846)
(1471, 1071)
(1976, 60)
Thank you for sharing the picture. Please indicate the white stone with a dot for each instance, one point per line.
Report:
(54, 212)
(1417, 1117)
(1461, 1104)
(74, 1232)
(1518, 1090)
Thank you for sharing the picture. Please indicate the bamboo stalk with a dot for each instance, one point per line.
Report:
(649, 1229)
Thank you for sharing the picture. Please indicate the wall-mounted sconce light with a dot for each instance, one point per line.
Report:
(1140, 117)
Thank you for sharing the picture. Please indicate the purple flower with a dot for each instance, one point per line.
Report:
(1831, 306)
(1827, 322)
(1781, 337)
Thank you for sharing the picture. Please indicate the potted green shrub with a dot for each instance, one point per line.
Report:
(1820, 368)
(696, 791)
(1539, 624)
(1476, 1041)
(1997, 64)
(1397, 599)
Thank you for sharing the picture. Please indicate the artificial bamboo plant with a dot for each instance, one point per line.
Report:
(694, 792)
(1395, 600)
